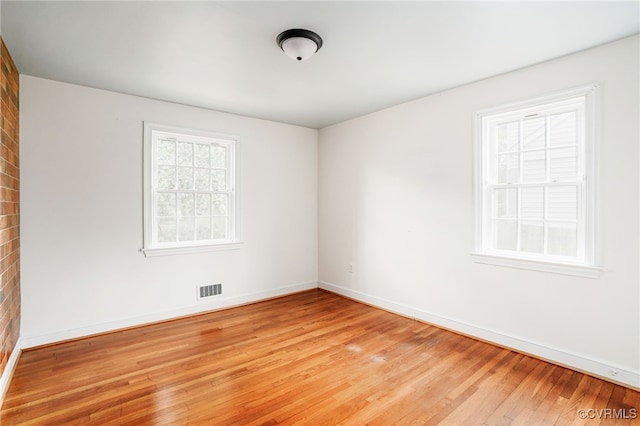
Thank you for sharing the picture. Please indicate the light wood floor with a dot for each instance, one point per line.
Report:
(310, 358)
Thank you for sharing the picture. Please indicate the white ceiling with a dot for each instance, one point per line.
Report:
(223, 55)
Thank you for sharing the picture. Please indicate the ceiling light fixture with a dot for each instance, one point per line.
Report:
(299, 44)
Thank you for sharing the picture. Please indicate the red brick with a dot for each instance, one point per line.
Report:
(9, 206)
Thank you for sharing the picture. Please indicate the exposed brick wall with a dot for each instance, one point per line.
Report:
(9, 208)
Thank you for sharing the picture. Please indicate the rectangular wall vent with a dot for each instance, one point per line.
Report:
(209, 290)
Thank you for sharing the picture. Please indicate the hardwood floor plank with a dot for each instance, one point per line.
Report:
(308, 358)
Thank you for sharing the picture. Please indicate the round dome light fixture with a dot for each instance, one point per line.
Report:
(299, 44)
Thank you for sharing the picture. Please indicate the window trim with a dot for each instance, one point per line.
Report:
(186, 247)
(480, 254)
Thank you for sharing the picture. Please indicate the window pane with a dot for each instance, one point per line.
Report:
(532, 237)
(185, 204)
(167, 230)
(508, 137)
(203, 205)
(218, 157)
(534, 166)
(189, 187)
(166, 205)
(563, 129)
(202, 179)
(203, 228)
(185, 154)
(185, 178)
(534, 162)
(532, 203)
(534, 133)
(166, 152)
(505, 237)
(562, 203)
(185, 229)
(220, 202)
(505, 203)
(218, 180)
(562, 239)
(563, 164)
(203, 155)
(220, 228)
(508, 168)
(166, 177)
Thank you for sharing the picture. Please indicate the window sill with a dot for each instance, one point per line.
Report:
(583, 271)
(170, 251)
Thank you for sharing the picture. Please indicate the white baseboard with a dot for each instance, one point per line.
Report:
(554, 355)
(8, 369)
(202, 307)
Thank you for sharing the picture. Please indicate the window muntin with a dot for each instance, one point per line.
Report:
(190, 195)
(534, 201)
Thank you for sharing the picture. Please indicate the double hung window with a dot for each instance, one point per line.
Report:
(190, 190)
(535, 184)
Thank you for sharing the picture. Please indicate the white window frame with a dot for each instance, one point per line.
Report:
(586, 263)
(152, 131)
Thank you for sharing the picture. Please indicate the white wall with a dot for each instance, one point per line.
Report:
(395, 200)
(81, 154)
